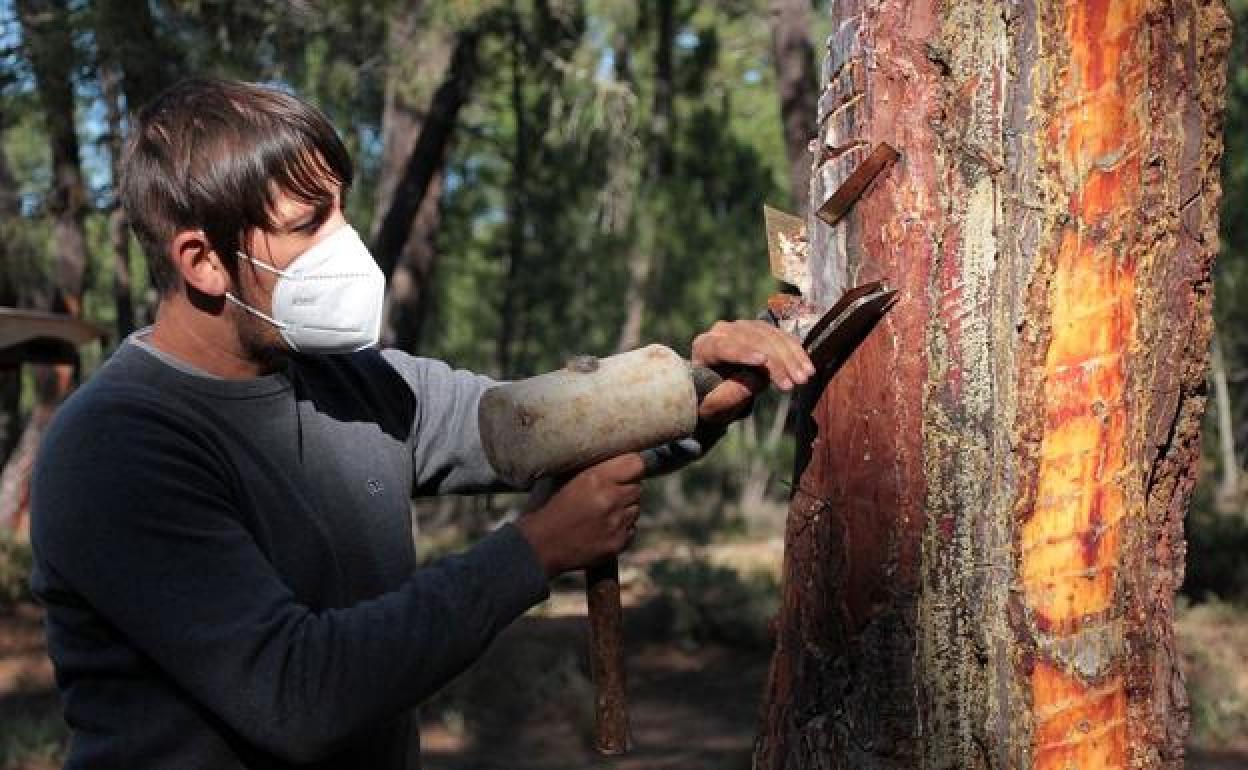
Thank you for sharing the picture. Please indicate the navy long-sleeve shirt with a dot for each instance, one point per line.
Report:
(228, 567)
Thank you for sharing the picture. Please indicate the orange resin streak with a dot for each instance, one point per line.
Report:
(1070, 544)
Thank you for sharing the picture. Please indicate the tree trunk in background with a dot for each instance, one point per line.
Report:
(758, 470)
(49, 46)
(10, 412)
(986, 538)
(10, 379)
(794, 61)
(128, 40)
(658, 167)
(118, 227)
(427, 157)
(52, 383)
(418, 55)
(662, 157)
(134, 66)
(511, 322)
(410, 291)
(1227, 497)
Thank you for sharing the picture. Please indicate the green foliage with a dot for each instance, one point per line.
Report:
(1213, 640)
(34, 737)
(710, 603)
(15, 563)
(583, 203)
(1216, 544)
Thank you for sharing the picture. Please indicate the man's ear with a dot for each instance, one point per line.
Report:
(198, 263)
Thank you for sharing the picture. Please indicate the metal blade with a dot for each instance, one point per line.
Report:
(787, 248)
(856, 183)
(843, 328)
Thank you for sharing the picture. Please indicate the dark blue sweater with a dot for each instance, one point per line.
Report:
(228, 566)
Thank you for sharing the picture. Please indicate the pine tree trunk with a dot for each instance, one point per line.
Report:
(1227, 496)
(427, 156)
(48, 43)
(118, 226)
(133, 64)
(10, 258)
(986, 537)
(418, 55)
(796, 80)
(660, 159)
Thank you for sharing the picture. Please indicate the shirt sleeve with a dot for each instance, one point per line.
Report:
(447, 454)
(133, 517)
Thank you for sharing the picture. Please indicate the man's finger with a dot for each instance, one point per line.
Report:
(757, 343)
(739, 350)
(624, 469)
(784, 346)
(629, 494)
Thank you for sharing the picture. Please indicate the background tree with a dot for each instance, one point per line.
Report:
(48, 43)
(133, 65)
(10, 259)
(798, 86)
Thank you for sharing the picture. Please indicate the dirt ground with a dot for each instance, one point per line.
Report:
(526, 706)
(691, 707)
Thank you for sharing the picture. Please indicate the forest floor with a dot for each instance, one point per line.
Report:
(695, 679)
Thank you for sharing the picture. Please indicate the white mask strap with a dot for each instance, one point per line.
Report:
(255, 312)
(261, 265)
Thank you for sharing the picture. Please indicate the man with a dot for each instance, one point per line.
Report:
(221, 513)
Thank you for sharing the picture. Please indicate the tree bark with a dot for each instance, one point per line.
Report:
(134, 66)
(986, 534)
(48, 44)
(118, 226)
(659, 166)
(128, 40)
(52, 383)
(758, 470)
(1227, 496)
(10, 379)
(418, 53)
(798, 85)
(511, 331)
(428, 155)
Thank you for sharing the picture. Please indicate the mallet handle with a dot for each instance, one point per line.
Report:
(606, 657)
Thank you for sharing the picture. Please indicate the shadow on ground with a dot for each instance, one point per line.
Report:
(528, 704)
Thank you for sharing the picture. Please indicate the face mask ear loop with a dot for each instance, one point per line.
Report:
(255, 312)
(262, 265)
(249, 308)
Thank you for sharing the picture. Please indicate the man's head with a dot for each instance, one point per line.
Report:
(216, 167)
(215, 155)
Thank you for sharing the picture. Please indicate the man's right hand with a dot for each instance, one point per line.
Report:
(592, 516)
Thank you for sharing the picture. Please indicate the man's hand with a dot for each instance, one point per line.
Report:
(751, 343)
(592, 516)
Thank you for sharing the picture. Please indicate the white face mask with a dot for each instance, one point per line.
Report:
(329, 299)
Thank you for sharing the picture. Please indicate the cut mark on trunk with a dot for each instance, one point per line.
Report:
(1078, 726)
(1070, 547)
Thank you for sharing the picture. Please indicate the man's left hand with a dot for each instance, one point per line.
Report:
(776, 355)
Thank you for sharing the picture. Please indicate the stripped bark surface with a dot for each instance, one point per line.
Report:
(986, 534)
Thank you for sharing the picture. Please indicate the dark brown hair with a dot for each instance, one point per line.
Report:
(213, 155)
